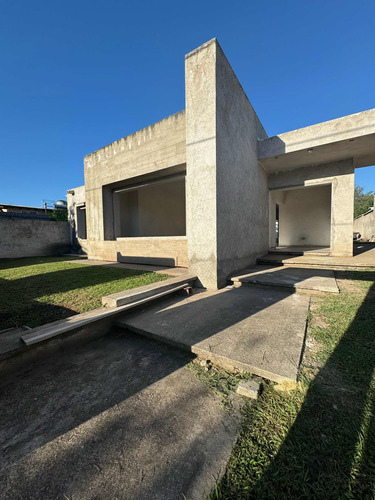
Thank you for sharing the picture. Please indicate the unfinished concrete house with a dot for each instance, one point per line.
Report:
(207, 188)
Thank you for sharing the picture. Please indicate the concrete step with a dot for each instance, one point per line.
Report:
(148, 291)
(298, 253)
(297, 279)
(50, 330)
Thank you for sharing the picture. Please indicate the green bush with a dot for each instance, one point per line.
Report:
(61, 214)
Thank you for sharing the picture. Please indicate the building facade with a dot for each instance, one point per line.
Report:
(207, 189)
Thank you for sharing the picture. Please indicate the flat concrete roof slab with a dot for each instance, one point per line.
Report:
(120, 417)
(296, 278)
(351, 136)
(256, 330)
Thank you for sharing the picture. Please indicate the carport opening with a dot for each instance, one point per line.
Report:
(155, 208)
(301, 218)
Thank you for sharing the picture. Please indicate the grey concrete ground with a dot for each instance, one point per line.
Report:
(363, 256)
(120, 417)
(299, 278)
(257, 330)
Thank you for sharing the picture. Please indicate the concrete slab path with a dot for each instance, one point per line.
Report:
(295, 278)
(120, 417)
(256, 330)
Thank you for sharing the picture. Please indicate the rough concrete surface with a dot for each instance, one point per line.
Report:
(32, 238)
(363, 256)
(257, 330)
(320, 280)
(226, 189)
(147, 291)
(248, 388)
(120, 417)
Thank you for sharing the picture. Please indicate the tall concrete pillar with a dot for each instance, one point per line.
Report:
(226, 191)
(342, 210)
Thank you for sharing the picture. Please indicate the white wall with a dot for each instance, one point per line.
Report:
(340, 175)
(304, 217)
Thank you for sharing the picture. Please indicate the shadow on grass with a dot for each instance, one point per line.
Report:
(31, 261)
(329, 451)
(19, 296)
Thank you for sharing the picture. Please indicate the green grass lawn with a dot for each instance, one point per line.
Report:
(317, 441)
(38, 290)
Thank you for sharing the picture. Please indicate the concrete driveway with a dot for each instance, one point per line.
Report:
(120, 417)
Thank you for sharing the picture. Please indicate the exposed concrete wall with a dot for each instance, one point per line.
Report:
(227, 197)
(154, 148)
(304, 216)
(171, 251)
(341, 176)
(155, 210)
(242, 187)
(365, 225)
(33, 238)
(345, 128)
(76, 197)
(201, 204)
(126, 214)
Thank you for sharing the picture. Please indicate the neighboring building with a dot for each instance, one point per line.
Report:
(21, 211)
(206, 187)
(364, 224)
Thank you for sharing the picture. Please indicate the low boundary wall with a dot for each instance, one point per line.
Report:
(32, 237)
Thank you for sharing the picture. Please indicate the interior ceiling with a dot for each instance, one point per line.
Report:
(362, 149)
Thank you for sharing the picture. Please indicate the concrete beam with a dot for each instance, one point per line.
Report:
(351, 136)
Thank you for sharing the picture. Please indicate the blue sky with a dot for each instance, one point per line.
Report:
(76, 76)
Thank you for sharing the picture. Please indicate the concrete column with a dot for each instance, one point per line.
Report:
(227, 192)
(342, 210)
(201, 213)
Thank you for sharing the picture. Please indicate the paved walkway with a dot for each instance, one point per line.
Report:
(120, 417)
(256, 330)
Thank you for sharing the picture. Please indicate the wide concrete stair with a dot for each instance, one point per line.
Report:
(294, 278)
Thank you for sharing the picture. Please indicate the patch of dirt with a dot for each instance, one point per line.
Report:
(319, 320)
(314, 305)
(312, 346)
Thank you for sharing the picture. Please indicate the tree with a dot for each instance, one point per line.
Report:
(362, 201)
(60, 214)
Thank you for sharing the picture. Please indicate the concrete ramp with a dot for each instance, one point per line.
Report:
(259, 331)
